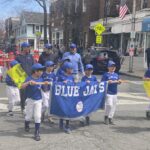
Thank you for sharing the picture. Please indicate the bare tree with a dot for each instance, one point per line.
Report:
(2, 31)
(43, 4)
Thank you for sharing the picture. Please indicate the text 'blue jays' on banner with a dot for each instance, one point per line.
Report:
(73, 100)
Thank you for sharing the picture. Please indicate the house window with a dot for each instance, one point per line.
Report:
(53, 35)
(57, 35)
(25, 29)
(31, 41)
(53, 42)
(22, 30)
(76, 5)
(83, 6)
(37, 28)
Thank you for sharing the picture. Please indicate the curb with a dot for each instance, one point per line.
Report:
(131, 75)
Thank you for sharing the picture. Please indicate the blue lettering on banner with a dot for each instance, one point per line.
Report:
(73, 100)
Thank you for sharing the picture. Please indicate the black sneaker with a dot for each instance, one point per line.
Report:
(10, 113)
(27, 128)
(148, 115)
(106, 120)
(111, 121)
(87, 120)
(82, 123)
(37, 136)
(67, 130)
(61, 124)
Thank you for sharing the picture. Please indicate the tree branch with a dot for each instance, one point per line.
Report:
(40, 3)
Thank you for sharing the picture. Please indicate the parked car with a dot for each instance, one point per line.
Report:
(100, 58)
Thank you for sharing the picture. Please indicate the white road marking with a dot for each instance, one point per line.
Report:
(3, 106)
(131, 102)
(3, 98)
(123, 99)
(137, 96)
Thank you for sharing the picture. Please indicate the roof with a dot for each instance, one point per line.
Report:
(15, 23)
(34, 17)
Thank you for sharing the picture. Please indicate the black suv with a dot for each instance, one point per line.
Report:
(100, 58)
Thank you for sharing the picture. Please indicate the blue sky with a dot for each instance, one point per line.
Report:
(11, 8)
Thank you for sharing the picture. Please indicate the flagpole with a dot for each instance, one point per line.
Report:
(132, 36)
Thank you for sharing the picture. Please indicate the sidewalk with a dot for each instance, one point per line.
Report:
(138, 67)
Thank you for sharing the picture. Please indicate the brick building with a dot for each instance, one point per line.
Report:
(70, 21)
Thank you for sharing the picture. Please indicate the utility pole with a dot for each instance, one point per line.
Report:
(132, 36)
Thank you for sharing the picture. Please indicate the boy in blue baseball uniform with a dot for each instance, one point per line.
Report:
(49, 76)
(34, 98)
(88, 78)
(12, 91)
(66, 77)
(147, 78)
(111, 97)
(60, 70)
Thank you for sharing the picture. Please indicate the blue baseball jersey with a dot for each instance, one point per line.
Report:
(76, 61)
(91, 78)
(50, 77)
(34, 91)
(60, 72)
(147, 74)
(9, 81)
(112, 87)
(68, 78)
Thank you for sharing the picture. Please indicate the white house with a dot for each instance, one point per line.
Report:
(31, 29)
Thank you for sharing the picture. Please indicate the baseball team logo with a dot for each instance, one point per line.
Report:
(79, 106)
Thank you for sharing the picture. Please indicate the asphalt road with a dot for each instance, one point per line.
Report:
(131, 132)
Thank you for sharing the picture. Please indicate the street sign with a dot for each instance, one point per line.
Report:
(99, 29)
(98, 39)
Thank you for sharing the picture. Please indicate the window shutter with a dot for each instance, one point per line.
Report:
(41, 28)
(33, 28)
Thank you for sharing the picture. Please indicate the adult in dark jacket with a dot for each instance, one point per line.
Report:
(148, 57)
(26, 60)
(48, 55)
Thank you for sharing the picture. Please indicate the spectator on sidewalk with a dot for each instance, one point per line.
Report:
(148, 57)
(48, 55)
(26, 60)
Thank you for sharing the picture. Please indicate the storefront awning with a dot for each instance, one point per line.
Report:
(126, 28)
(146, 25)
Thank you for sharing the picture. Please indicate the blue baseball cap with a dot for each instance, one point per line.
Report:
(72, 45)
(67, 65)
(111, 63)
(88, 66)
(13, 63)
(37, 66)
(65, 59)
(48, 46)
(49, 63)
(25, 44)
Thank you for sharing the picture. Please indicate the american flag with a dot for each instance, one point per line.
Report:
(123, 9)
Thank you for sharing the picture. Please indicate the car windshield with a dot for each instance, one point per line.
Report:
(102, 54)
